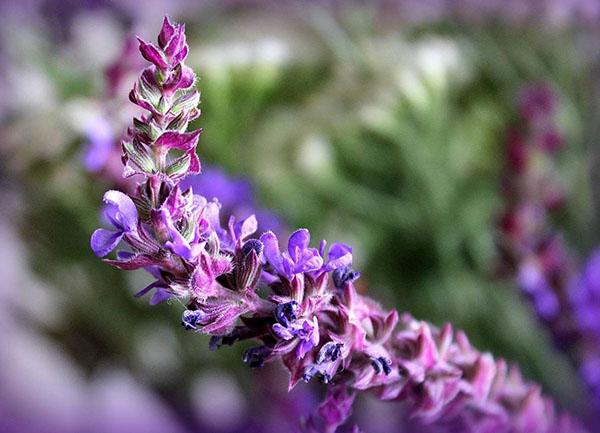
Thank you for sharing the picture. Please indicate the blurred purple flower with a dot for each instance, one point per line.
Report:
(585, 298)
(235, 194)
(100, 144)
(215, 183)
(537, 101)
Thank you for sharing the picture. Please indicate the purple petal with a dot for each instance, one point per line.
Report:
(125, 255)
(127, 215)
(183, 141)
(180, 56)
(303, 348)
(288, 267)
(104, 241)
(340, 262)
(282, 332)
(339, 250)
(194, 167)
(152, 54)
(181, 78)
(187, 78)
(271, 251)
(160, 295)
(298, 242)
(211, 213)
(246, 227)
(314, 337)
(309, 262)
(101, 144)
(178, 244)
(166, 32)
(175, 202)
(176, 43)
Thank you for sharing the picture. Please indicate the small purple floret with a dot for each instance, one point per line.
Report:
(121, 212)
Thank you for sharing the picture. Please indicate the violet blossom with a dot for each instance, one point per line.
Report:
(307, 313)
(122, 214)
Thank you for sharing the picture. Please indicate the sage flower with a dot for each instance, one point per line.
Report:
(122, 214)
(297, 305)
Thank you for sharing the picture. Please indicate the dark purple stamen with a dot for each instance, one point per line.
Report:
(287, 313)
(329, 352)
(255, 356)
(309, 373)
(381, 365)
(252, 245)
(344, 275)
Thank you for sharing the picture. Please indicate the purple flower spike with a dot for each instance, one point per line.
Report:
(307, 312)
(122, 214)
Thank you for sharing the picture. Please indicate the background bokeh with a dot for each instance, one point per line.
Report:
(379, 124)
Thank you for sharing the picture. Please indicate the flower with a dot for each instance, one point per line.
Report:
(101, 143)
(122, 214)
(298, 258)
(299, 306)
(537, 101)
(584, 294)
(307, 332)
(344, 275)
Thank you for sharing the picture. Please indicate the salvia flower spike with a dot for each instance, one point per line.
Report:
(312, 318)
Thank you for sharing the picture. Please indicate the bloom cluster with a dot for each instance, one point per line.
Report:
(565, 298)
(531, 249)
(297, 303)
